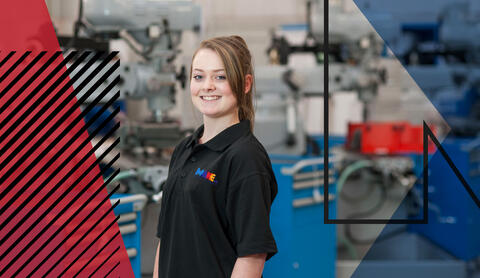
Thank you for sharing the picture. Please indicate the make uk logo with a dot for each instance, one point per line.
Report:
(206, 175)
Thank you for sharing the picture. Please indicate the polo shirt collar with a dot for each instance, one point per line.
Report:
(225, 138)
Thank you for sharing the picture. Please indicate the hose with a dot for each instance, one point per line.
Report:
(145, 53)
(381, 201)
(351, 169)
(350, 248)
(130, 40)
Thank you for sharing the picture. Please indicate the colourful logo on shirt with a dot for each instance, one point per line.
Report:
(206, 175)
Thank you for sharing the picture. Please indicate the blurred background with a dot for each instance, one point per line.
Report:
(392, 66)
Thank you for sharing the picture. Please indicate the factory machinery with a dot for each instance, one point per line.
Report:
(152, 30)
(438, 46)
(378, 174)
(308, 247)
(281, 85)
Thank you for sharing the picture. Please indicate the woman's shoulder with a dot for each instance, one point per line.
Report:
(248, 146)
(248, 155)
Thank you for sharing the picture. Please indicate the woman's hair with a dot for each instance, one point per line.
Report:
(237, 61)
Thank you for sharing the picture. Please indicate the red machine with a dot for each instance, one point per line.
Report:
(386, 138)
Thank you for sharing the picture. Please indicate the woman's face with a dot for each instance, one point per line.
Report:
(209, 87)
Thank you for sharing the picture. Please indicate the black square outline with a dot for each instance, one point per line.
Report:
(326, 220)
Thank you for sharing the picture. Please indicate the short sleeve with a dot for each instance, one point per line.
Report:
(248, 209)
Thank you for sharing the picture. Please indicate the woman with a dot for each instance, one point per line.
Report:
(214, 220)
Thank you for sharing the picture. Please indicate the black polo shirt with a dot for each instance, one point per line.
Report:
(216, 204)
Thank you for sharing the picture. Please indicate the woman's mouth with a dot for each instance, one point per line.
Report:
(210, 98)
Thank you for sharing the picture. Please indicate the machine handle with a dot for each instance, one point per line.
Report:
(138, 200)
(310, 201)
(311, 183)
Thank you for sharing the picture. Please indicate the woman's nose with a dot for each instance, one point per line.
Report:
(208, 85)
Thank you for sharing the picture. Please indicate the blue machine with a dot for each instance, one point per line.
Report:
(102, 117)
(130, 209)
(454, 218)
(307, 246)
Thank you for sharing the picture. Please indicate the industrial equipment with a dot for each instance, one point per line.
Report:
(281, 86)
(307, 246)
(438, 46)
(130, 222)
(152, 30)
(451, 210)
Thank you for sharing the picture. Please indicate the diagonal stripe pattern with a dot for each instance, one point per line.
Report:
(56, 218)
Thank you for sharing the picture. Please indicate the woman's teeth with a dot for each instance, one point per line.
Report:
(210, 97)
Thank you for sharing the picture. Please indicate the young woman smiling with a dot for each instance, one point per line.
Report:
(214, 220)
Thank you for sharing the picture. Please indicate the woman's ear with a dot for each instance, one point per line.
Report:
(248, 83)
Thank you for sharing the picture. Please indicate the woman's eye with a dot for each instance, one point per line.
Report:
(221, 77)
(197, 77)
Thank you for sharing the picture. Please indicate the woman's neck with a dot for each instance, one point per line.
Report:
(213, 126)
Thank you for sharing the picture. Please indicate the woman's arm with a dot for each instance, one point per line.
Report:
(250, 266)
(155, 265)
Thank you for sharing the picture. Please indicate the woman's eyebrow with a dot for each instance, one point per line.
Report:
(215, 70)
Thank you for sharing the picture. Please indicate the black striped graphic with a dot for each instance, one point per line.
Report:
(55, 215)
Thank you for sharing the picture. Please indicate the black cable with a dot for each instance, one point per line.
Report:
(77, 25)
(309, 22)
(166, 26)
